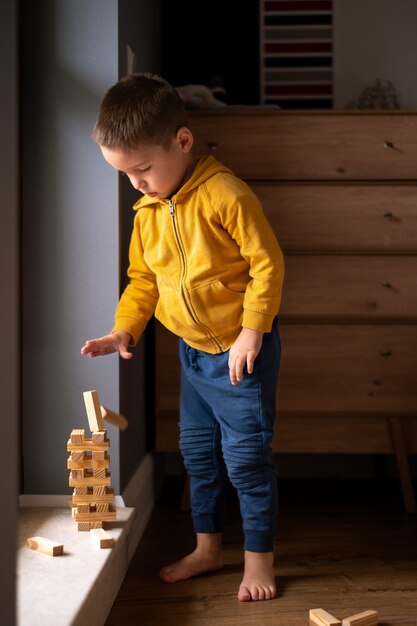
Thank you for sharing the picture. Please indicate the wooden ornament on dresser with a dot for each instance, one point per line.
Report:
(340, 191)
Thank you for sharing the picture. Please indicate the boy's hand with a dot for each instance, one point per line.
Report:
(244, 352)
(114, 342)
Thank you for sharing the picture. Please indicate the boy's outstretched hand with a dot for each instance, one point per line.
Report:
(244, 352)
(114, 342)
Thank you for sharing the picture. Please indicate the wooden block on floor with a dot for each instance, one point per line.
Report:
(83, 526)
(114, 418)
(77, 435)
(92, 406)
(323, 618)
(99, 436)
(366, 618)
(40, 544)
(101, 539)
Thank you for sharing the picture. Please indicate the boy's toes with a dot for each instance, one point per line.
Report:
(244, 594)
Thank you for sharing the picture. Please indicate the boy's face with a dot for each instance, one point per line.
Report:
(154, 170)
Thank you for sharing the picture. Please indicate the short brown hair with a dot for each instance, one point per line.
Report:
(139, 108)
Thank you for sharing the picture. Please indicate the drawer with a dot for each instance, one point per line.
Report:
(350, 287)
(333, 217)
(346, 369)
(277, 145)
(332, 369)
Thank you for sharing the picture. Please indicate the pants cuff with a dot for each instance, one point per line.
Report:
(207, 523)
(256, 541)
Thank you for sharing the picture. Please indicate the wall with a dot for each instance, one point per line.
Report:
(374, 39)
(139, 51)
(70, 230)
(9, 310)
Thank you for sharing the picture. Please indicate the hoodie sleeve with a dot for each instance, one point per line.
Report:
(138, 301)
(242, 215)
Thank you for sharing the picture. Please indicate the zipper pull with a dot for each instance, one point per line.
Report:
(171, 207)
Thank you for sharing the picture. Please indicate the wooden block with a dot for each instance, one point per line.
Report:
(99, 436)
(83, 526)
(97, 524)
(87, 445)
(101, 539)
(40, 544)
(99, 456)
(366, 618)
(106, 496)
(114, 418)
(77, 457)
(83, 508)
(80, 491)
(88, 463)
(99, 472)
(77, 473)
(323, 618)
(77, 435)
(92, 405)
(99, 491)
(89, 481)
(102, 507)
(94, 515)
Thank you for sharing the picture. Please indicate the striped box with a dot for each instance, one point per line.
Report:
(296, 38)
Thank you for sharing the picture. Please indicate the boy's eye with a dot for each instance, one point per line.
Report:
(145, 169)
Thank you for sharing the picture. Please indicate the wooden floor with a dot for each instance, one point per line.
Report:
(345, 547)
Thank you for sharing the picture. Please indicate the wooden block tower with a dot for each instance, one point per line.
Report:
(89, 461)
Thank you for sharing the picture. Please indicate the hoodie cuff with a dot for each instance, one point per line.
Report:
(257, 321)
(131, 326)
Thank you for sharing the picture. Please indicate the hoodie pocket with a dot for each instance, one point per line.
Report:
(208, 309)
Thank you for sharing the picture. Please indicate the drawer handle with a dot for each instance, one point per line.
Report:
(385, 353)
(388, 215)
(212, 145)
(389, 145)
(386, 284)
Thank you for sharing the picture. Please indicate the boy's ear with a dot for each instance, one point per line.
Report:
(185, 138)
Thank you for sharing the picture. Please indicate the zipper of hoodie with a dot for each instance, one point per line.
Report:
(183, 291)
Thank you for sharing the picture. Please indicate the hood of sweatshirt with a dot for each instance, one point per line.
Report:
(206, 167)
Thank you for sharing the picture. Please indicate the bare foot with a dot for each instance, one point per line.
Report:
(207, 557)
(258, 579)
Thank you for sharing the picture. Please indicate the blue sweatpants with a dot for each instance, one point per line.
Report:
(226, 430)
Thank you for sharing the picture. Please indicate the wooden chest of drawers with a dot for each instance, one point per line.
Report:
(340, 191)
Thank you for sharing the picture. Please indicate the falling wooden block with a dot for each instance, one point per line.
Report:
(114, 418)
(40, 544)
(77, 435)
(322, 618)
(92, 406)
(101, 539)
(367, 618)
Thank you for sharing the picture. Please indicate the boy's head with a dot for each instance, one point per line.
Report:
(142, 131)
(139, 109)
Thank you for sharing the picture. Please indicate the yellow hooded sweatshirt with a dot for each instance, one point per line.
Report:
(206, 262)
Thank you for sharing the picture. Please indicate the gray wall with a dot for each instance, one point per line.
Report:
(9, 310)
(70, 230)
(139, 35)
(375, 39)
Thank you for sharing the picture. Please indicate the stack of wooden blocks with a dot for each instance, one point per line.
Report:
(89, 461)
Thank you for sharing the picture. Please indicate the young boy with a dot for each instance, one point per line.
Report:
(205, 261)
